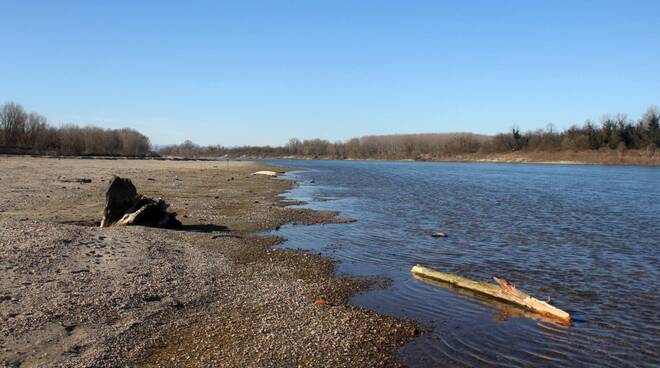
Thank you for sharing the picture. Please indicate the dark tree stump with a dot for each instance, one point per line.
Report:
(124, 206)
(120, 198)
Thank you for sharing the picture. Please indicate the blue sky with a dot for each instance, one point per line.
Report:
(260, 72)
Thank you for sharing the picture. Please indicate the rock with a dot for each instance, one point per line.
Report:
(439, 234)
(321, 301)
(124, 206)
(151, 298)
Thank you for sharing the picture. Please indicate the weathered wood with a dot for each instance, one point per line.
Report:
(267, 173)
(120, 197)
(504, 291)
(124, 206)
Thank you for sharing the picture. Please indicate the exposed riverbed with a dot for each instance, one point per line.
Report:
(209, 294)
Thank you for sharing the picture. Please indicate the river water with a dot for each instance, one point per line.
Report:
(587, 236)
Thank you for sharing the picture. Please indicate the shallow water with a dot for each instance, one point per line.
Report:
(587, 236)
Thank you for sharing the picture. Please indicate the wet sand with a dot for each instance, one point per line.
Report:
(211, 294)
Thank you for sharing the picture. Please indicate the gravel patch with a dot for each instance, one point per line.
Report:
(212, 294)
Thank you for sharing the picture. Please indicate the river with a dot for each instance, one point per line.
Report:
(587, 236)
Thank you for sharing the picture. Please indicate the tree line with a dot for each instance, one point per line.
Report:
(614, 133)
(29, 132)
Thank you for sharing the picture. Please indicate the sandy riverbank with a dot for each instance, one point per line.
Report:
(212, 294)
(603, 156)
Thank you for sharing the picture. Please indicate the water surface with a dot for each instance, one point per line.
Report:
(587, 236)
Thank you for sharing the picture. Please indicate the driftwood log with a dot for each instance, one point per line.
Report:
(267, 173)
(503, 291)
(124, 206)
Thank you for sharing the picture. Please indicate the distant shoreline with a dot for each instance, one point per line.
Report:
(630, 158)
(591, 157)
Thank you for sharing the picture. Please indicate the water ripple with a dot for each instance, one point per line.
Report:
(584, 235)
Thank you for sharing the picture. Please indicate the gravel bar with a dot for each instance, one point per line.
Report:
(210, 294)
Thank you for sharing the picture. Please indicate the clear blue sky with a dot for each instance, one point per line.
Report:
(260, 72)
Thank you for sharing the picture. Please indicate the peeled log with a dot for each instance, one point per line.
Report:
(267, 173)
(504, 291)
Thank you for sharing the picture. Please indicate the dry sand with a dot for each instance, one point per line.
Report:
(211, 294)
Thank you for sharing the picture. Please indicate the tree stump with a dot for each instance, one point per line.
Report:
(124, 206)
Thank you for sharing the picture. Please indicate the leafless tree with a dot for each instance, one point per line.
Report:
(23, 132)
(12, 122)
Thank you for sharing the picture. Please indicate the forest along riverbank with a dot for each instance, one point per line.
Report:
(213, 293)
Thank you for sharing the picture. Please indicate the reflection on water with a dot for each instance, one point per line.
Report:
(587, 236)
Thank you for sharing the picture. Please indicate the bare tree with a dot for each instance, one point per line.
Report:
(12, 122)
(35, 126)
(295, 146)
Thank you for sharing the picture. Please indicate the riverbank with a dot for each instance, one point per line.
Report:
(604, 156)
(589, 157)
(598, 157)
(211, 294)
